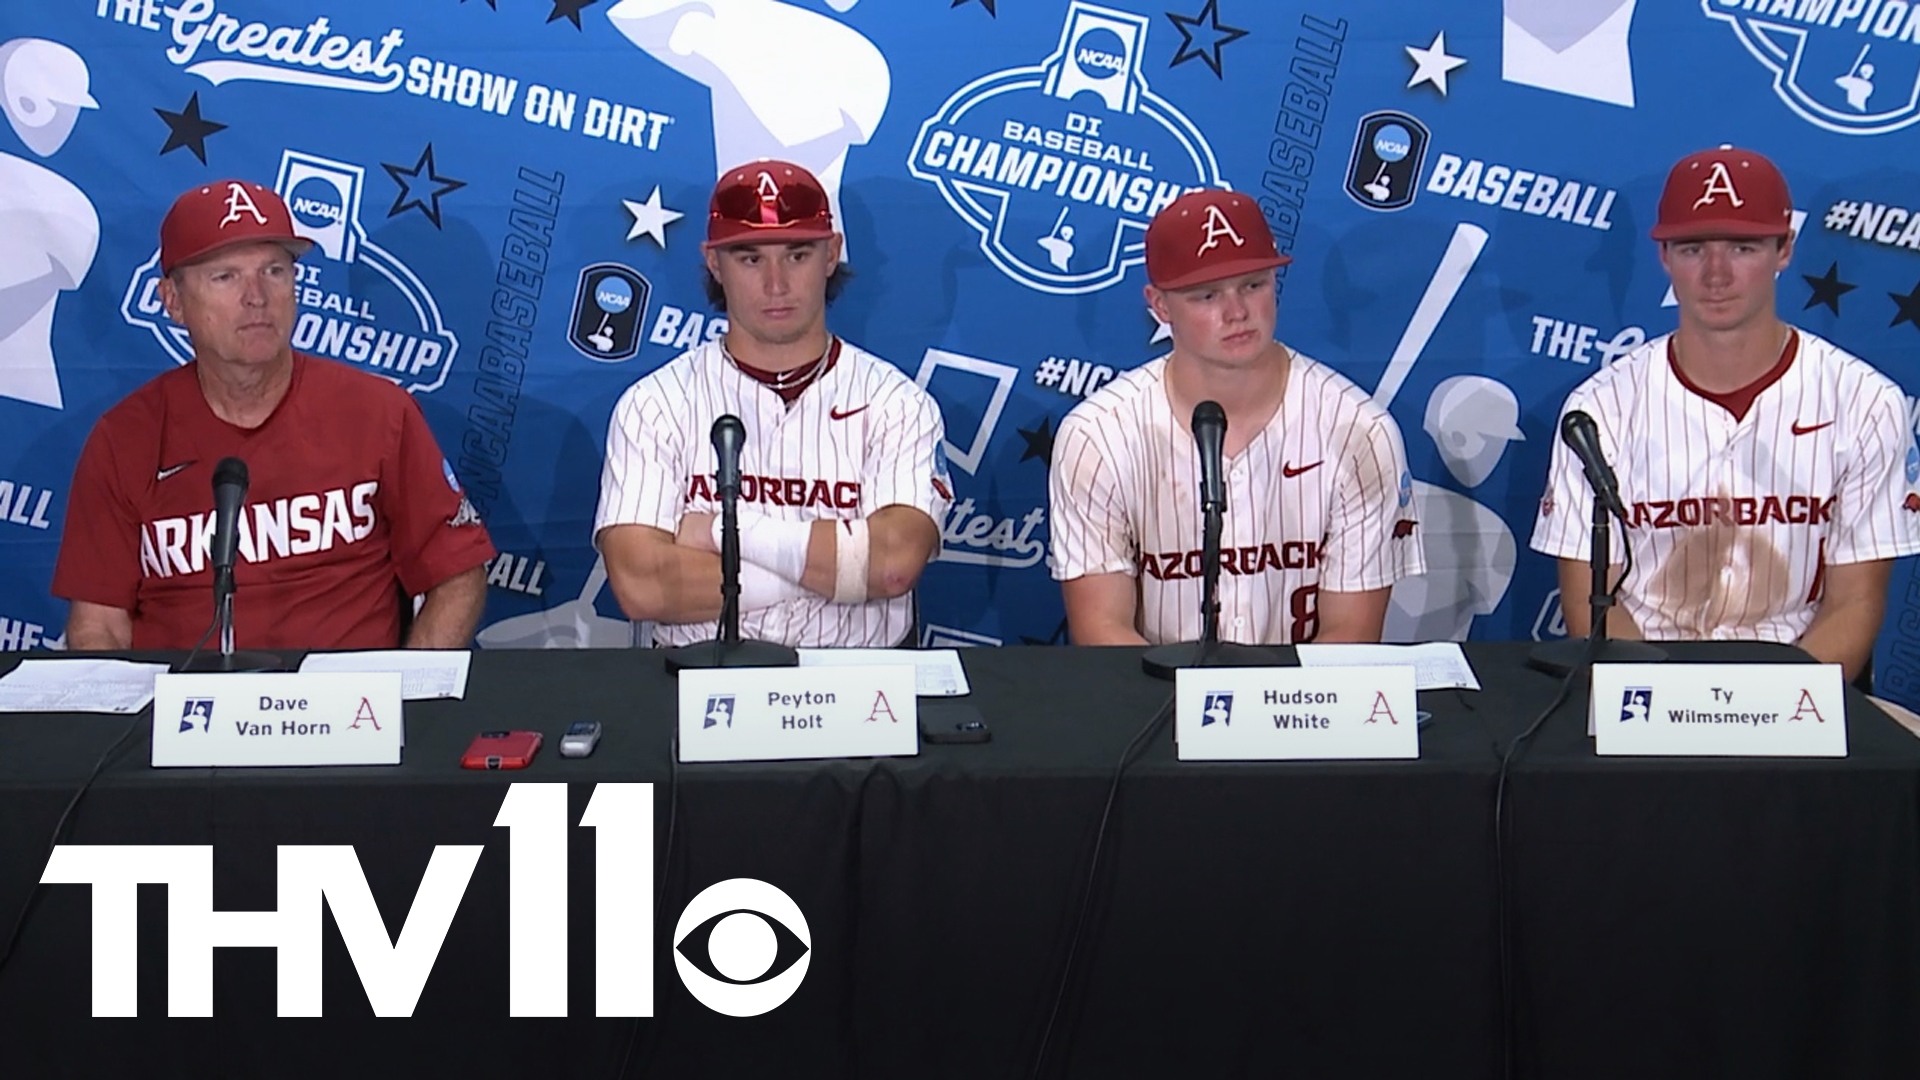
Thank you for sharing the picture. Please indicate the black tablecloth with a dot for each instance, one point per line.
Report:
(1674, 917)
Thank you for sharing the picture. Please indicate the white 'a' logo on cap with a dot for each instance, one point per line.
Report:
(769, 191)
(1718, 183)
(1215, 227)
(239, 202)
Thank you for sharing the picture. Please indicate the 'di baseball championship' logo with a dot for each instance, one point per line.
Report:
(357, 302)
(1059, 167)
(1849, 66)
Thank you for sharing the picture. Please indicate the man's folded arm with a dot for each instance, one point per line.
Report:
(658, 580)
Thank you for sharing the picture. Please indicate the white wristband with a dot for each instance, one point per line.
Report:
(762, 588)
(773, 543)
(850, 556)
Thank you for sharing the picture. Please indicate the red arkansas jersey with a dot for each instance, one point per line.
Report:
(349, 503)
(1732, 519)
(862, 437)
(1320, 499)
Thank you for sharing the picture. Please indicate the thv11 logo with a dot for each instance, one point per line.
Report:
(708, 938)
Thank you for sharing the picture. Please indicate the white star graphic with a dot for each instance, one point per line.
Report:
(1432, 63)
(1162, 331)
(650, 218)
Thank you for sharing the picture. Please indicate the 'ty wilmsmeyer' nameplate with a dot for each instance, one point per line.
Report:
(788, 713)
(1304, 714)
(1719, 710)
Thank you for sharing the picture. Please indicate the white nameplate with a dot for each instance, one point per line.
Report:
(283, 718)
(1294, 714)
(786, 713)
(1719, 710)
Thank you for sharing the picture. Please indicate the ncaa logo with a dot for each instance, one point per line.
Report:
(1100, 54)
(316, 205)
(608, 310)
(1848, 66)
(358, 303)
(1388, 150)
(1636, 703)
(1060, 166)
(1217, 708)
(742, 947)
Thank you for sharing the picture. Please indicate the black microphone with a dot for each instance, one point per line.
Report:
(229, 496)
(1582, 436)
(728, 649)
(229, 493)
(729, 436)
(1210, 432)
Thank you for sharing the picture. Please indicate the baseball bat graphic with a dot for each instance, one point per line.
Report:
(1462, 252)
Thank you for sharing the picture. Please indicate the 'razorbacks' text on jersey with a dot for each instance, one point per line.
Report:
(1319, 499)
(860, 438)
(1733, 519)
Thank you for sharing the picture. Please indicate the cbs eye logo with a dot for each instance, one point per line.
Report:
(742, 947)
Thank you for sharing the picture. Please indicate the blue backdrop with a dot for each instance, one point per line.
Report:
(507, 198)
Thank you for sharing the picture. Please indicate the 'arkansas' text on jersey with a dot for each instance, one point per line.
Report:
(300, 525)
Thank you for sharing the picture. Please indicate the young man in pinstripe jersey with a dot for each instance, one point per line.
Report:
(842, 474)
(1318, 524)
(1768, 476)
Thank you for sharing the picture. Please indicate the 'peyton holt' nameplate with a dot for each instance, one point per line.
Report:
(1719, 710)
(285, 718)
(785, 713)
(1288, 714)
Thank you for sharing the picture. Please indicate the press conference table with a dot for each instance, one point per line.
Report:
(1674, 917)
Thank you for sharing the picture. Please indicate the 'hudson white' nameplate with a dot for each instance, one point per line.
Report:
(1284, 713)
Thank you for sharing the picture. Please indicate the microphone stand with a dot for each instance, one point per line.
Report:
(1162, 661)
(1562, 657)
(727, 650)
(228, 659)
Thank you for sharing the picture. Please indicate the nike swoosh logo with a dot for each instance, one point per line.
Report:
(1290, 472)
(169, 471)
(1808, 429)
(838, 415)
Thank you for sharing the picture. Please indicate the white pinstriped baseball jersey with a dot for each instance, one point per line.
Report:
(1320, 498)
(1733, 519)
(861, 438)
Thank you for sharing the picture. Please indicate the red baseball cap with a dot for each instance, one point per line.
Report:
(222, 214)
(1725, 192)
(768, 202)
(1207, 235)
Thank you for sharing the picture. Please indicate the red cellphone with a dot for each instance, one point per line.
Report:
(501, 750)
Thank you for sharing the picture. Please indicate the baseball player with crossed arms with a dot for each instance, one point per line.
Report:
(1318, 524)
(842, 476)
(1768, 476)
